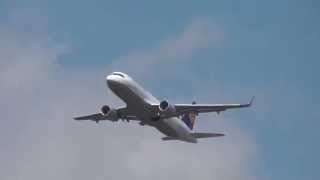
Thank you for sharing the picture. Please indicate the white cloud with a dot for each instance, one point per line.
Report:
(226, 158)
(40, 141)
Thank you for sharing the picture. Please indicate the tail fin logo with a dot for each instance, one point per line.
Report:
(189, 119)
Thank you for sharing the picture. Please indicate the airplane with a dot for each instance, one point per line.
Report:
(175, 121)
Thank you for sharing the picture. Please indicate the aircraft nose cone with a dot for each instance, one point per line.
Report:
(113, 81)
(110, 79)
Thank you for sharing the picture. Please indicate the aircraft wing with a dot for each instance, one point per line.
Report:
(121, 113)
(93, 117)
(205, 108)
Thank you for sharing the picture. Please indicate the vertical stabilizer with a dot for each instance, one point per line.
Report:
(189, 119)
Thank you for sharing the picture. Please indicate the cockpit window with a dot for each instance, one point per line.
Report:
(118, 74)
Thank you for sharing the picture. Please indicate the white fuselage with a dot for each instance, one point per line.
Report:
(139, 103)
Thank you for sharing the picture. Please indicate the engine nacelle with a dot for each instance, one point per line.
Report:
(166, 109)
(110, 113)
(105, 109)
(164, 106)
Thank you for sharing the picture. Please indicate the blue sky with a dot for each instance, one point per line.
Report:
(269, 49)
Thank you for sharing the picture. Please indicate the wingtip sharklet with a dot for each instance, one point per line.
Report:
(248, 104)
(251, 100)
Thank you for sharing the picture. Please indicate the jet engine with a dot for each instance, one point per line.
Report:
(111, 114)
(105, 109)
(166, 109)
(164, 106)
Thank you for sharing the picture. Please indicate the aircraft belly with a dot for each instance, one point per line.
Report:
(174, 127)
(166, 129)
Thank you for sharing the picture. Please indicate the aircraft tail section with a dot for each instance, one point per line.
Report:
(189, 119)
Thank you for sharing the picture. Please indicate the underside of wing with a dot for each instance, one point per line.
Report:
(112, 115)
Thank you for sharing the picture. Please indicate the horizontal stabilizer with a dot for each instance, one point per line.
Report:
(206, 135)
(196, 136)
